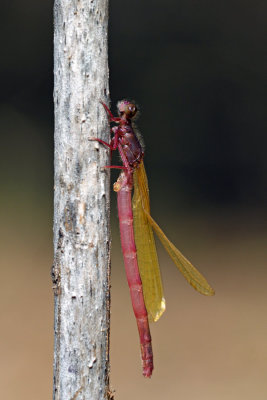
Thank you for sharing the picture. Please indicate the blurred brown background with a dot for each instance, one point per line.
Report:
(197, 71)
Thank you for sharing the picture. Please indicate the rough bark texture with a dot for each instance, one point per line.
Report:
(81, 219)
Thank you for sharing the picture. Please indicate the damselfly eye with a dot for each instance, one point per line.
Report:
(130, 110)
(127, 108)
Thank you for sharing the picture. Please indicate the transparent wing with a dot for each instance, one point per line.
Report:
(146, 250)
(191, 274)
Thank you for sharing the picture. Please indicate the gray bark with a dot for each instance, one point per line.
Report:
(81, 207)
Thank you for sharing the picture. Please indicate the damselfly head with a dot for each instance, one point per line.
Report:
(127, 107)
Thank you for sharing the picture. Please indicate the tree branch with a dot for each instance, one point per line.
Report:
(81, 208)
